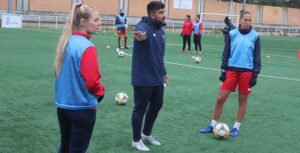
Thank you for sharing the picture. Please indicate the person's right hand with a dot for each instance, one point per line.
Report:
(223, 76)
(181, 35)
(139, 35)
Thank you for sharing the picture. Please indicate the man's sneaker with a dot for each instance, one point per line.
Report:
(140, 146)
(234, 132)
(126, 48)
(209, 129)
(150, 140)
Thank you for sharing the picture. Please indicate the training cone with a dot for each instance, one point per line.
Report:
(298, 54)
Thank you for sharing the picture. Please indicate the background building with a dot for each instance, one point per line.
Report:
(268, 18)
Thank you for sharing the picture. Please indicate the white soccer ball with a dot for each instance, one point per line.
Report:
(121, 98)
(198, 59)
(121, 54)
(221, 131)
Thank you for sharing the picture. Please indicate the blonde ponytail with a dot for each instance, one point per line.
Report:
(78, 12)
(63, 40)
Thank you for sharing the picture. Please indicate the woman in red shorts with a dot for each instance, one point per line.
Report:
(241, 65)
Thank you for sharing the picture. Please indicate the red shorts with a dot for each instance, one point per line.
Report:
(122, 32)
(237, 78)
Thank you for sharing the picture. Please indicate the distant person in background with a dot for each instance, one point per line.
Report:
(241, 64)
(121, 22)
(78, 88)
(198, 26)
(187, 30)
(229, 26)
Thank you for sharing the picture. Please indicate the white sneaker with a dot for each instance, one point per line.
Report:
(150, 140)
(140, 146)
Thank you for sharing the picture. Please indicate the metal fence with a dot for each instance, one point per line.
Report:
(108, 23)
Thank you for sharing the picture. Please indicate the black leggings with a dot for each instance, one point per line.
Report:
(186, 38)
(197, 42)
(76, 127)
(146, 97)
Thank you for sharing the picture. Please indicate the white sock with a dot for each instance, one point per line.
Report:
(237, 125)
(214, 123)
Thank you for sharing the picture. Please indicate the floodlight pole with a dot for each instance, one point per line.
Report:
(9, 6)
(244, 4)
(231, 8)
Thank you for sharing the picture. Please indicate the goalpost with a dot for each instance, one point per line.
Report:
(234, 18)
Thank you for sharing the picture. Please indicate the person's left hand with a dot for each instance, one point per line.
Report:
(253, 81)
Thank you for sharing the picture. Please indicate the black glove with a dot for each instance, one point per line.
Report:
(181, 34)
(252, 82)
(223, 75)
(100, 98)
(223, 31)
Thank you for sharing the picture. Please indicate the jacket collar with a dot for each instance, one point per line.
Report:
(82, 34)
(152, 22)
(244, 31)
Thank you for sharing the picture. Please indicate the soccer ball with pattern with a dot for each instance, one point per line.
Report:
(121, 54)
(121, 98)
(221, 131)
(198, 59)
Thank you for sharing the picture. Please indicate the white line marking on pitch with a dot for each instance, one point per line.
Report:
(213, 69)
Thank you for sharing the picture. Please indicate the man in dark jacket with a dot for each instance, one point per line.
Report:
(148, 74)
(229, 26)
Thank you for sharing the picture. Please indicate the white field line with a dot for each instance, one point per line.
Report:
(199, 67)
(213, 69)
(170, 44)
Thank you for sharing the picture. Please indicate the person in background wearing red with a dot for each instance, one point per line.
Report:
(121, 22)
(187, 30)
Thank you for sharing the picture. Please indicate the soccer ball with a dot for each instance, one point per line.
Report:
(198, 59)
(221, 131)
(121, 54)
(121, 98)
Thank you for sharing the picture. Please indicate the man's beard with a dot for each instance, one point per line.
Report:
(162, 22)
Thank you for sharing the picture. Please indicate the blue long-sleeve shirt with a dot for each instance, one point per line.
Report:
(148, 67)
(242, 51)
